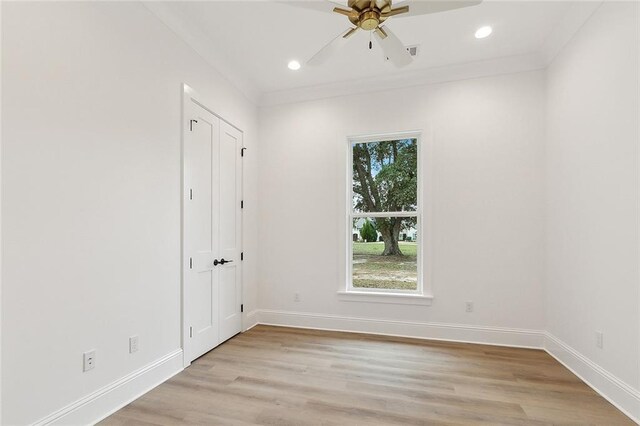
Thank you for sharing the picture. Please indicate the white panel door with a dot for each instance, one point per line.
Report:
(230, 230)
(201, 231)
(212, 281)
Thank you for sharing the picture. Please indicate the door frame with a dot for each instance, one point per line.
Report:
(190, 95)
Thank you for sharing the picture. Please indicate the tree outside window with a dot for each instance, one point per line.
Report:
(385, 201)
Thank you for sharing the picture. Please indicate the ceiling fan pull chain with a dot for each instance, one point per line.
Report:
(370, 44)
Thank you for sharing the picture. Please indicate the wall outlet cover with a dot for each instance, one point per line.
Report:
(133, 344)
(89, 360)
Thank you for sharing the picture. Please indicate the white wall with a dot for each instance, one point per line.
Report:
(486, 141)
(535, 194)
(592, 192)
(91, 195)
(90, 210)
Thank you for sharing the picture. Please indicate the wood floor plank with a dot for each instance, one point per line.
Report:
(286, 376)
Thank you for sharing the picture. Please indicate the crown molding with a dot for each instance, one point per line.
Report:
(562, 34)
(462, 71)
(195, 38)
(567, 28)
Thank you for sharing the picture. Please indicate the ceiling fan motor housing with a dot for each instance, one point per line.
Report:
(369, 20)
(368, 14)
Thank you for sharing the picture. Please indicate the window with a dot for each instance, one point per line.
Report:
(384, 216)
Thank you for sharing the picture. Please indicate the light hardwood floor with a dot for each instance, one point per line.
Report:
(287, 376)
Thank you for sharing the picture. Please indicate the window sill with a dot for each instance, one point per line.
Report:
(392, 298)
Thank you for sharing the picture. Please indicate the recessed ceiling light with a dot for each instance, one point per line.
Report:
(294, 65)
(483, 32)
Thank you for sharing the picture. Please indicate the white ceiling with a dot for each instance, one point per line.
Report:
(251, 42)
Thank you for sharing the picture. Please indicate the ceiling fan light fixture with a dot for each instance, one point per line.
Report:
(293, 65)
(483, 32)
(369, 20)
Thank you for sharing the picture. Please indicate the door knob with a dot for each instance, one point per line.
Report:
(217, 262)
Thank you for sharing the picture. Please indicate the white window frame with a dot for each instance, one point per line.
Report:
(398, 296)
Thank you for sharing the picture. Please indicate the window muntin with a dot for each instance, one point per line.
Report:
(384, 195)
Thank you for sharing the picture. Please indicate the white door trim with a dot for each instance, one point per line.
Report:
(188, 95)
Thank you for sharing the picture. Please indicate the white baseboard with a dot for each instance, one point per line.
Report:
(107, 400)
(421, 330)
(614, 390)
(619, 393)
(250, 320)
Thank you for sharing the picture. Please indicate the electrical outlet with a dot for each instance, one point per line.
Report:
(89, 360)
(469, 307)
(133, 344)
(599, 339)
(296, 297)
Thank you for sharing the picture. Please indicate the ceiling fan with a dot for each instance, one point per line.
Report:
(370, 15)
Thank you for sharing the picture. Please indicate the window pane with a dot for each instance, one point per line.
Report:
(385, 253)
(385, 176)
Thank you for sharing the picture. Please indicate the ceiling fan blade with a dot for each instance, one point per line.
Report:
(393, 47)
(396, 11)
(317, 5)
(425, 7)
(331, 47)
(350, 13)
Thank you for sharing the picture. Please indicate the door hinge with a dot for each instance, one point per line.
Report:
(190, 331)
(191, 124)
(242, 256)
(242, 307)
(191, 194)
(242, 152)
(242, 204)
(190, 263)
